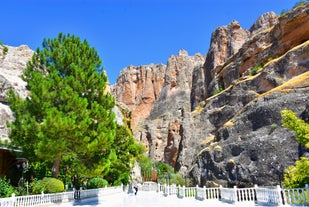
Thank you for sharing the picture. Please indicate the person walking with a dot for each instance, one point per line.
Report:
(135, 187)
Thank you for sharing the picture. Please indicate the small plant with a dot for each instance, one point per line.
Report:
(255, 69)
(6, 189)
(219, 90)
(200, 107)
(274, 126)
(5, 50)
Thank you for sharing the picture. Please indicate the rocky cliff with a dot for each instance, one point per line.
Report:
(216, 118)
(12, 62)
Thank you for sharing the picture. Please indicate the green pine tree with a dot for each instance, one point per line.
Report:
(68, 114)
(298, 175)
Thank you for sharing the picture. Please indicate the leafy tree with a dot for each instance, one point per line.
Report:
(298, 175)
(68, 114)
(125, 151)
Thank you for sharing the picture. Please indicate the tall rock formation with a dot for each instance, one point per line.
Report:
(164, 127)
(138, 88)
(225, 42)
(218, 120)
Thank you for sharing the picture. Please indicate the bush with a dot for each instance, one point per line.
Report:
(5, 50)
(219, 90)
(255, 69)
(97, 183)
(48, 185)
(6, 189)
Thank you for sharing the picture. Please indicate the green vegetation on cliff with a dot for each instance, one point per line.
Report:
(297, 175)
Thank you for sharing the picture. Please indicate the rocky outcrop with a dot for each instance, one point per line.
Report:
(162, 129)
(225, 42)
(138, 88)
(218, 119)
(12, 63)
(248, 136)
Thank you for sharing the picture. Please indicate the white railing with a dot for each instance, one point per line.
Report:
(200, 193)
(150, 186)
(228, 195)
(245, 194)
(269, 195)
(297, 196)
(35, 200)
(100, 191)
(167, 189)
(170, 190)
(160, 188)
(47, 199)
(212, 193)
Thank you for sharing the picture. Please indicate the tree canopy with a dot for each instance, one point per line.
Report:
(68, 114)
(297, 175)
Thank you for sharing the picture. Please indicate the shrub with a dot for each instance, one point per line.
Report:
(255, 69)
(6, 189)
(177, 179)
(5, 50)
(48, 185)
(97, 183)
(219, 90)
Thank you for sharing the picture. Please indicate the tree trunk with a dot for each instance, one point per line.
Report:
(56, 166)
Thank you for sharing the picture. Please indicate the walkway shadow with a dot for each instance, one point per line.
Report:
(87, 201)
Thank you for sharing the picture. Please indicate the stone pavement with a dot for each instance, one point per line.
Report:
(147, 199)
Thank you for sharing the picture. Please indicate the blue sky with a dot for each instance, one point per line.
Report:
(129, 32)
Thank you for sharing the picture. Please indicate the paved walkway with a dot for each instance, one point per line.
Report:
(147, 199)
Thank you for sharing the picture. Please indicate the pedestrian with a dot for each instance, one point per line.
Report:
(135, 187)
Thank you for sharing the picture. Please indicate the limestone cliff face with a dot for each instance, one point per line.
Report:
(218, 119)
(164, 127)
(248, 135)
(225, 42)
(12, 63)
(138, 88)
(158, 95)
